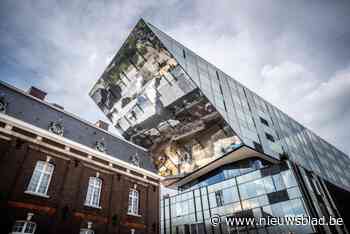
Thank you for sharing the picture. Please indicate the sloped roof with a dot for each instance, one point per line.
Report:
(39, 113)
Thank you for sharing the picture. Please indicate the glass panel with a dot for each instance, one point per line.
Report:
(30, 227)
(293, 192)
(279, 184)
(198, 203)
(230, 195)
(18, 226)
(288, 178)
(269, 186)
(252, 189)
(34, 181)
(93, 192)
(248, 177)
(44, 183)
(39, 181)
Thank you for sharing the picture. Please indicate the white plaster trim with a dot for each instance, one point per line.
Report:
(5, 138)
(10, 121)
(37, 194)
(47, 152)
(92, 206)
(132, 214)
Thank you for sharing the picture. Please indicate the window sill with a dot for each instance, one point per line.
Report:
(132, 214)
(91, 206)
(37, 194)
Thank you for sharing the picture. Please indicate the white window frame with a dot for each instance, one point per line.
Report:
(133, 208)
(95, 185)
(86, 231)
(25, 224)
(44, 171)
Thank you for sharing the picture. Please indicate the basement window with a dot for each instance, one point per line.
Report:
(86, 231)
(23, 227)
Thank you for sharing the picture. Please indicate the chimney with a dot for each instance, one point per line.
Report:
(101, 124)
(38, 93)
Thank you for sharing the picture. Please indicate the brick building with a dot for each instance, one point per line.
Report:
(61, 174)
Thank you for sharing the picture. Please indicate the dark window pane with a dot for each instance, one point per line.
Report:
(270, 137)
(264, 121)
(219, 197)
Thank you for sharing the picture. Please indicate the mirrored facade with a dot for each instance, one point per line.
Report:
(152, 101)
(152, 72)
(258, 123)
(189, 115)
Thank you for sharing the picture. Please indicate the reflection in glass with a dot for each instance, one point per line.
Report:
(152, 101)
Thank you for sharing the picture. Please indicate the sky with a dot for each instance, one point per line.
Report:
(295, 54)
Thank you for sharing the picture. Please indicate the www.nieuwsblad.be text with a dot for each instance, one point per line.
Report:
(273, 221)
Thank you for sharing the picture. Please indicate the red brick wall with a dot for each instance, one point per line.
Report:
(64, 210)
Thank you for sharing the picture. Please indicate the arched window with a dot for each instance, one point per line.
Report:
(133, 202)
(94, 192)
(41, 177)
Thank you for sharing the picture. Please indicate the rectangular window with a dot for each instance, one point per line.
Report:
(133, 202)
(94, 192)
(264, 121)
(278, 181)
(40, 180)
(23, 227)
(288, 179)
(86, 231)
(252, 189)
(269, 137)
(219, 197)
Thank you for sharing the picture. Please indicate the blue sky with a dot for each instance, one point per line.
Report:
(295, 54)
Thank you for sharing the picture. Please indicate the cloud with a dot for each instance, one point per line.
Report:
(328, 108)
(286, 84)
(320, 105)
(294, 54)
(290, 55)
(65, 46)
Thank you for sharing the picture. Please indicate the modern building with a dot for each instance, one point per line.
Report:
(61, 174)
(225, 149)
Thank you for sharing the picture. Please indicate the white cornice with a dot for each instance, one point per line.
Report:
(69, 144)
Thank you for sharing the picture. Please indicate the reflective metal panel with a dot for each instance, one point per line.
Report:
(155, 104)
(153, 75)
